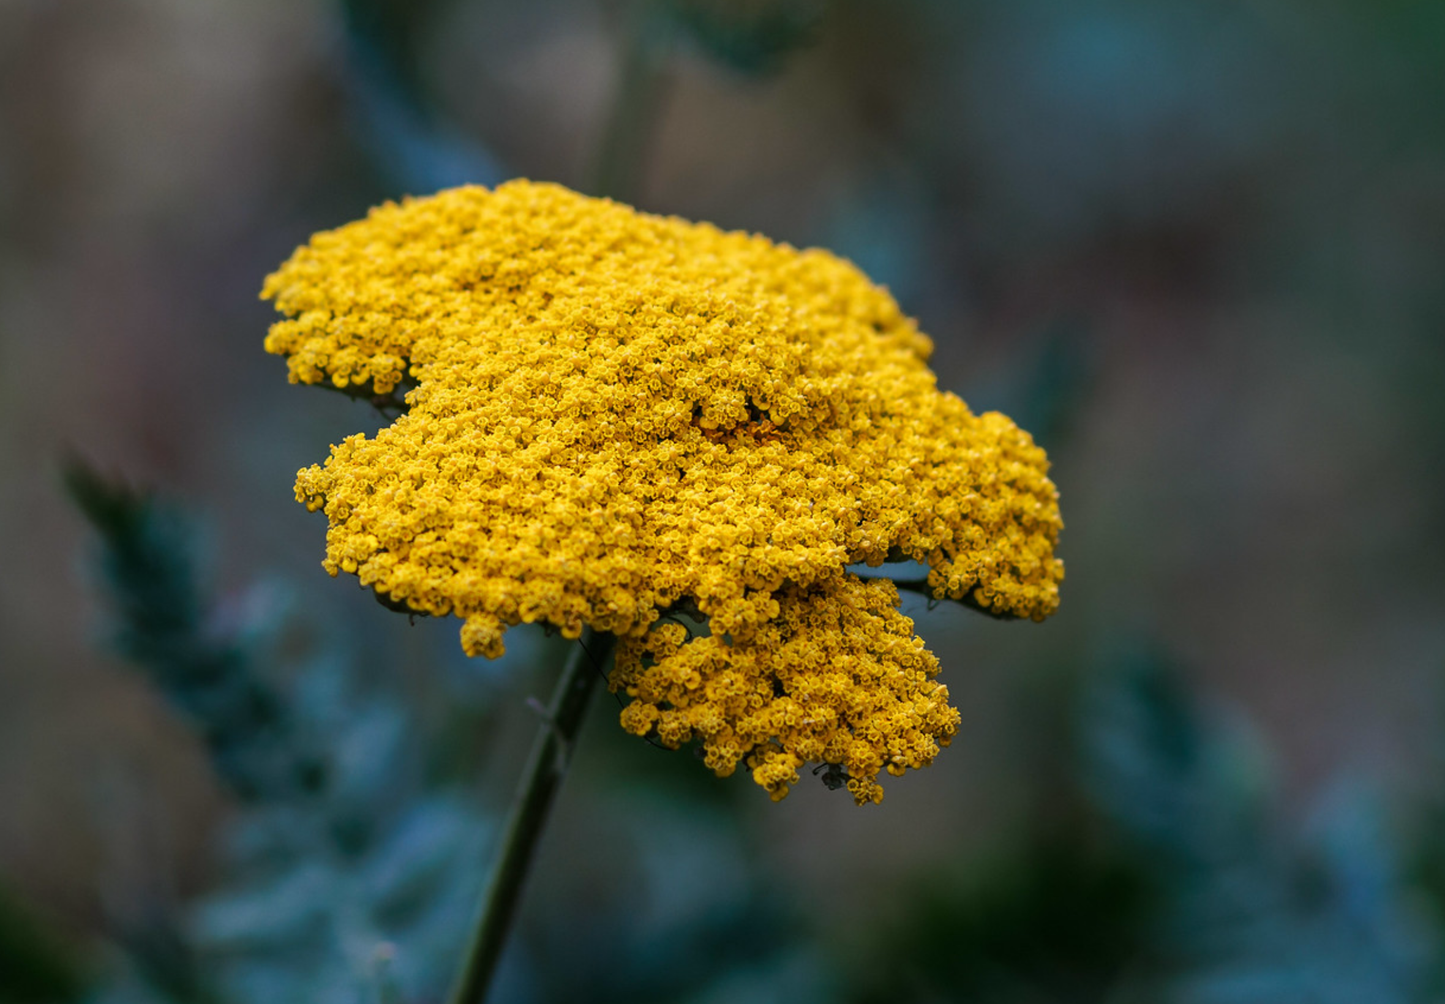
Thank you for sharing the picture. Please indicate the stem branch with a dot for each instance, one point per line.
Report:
(921, 587)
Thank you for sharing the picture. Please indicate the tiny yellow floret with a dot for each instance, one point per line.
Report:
(612, 416)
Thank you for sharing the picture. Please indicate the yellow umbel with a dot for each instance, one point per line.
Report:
(613, 414)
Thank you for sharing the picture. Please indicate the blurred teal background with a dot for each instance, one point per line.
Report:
(1197, 248)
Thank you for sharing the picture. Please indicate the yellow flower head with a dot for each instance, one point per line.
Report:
(613, 415)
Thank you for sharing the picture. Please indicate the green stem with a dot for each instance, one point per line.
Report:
(616, 171)
(613, 174)
(547, 765)
(921, 587)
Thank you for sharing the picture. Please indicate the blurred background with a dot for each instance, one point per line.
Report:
(1195, 248)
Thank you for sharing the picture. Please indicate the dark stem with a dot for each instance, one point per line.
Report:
(920, 586)
(547, 765)
(615, 173)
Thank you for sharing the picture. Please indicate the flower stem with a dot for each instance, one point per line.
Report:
(616, 170)
(546, 766)
(625, 136)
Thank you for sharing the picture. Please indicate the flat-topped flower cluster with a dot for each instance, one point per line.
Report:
(616, 416)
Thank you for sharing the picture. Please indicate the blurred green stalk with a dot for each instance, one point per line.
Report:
(617, 169)
(614, 172)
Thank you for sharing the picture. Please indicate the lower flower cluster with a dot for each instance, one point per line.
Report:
(836, 677)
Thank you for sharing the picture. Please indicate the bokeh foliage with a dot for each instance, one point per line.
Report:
(1194, 248)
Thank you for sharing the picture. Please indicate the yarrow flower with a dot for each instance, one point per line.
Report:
(614, 417)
